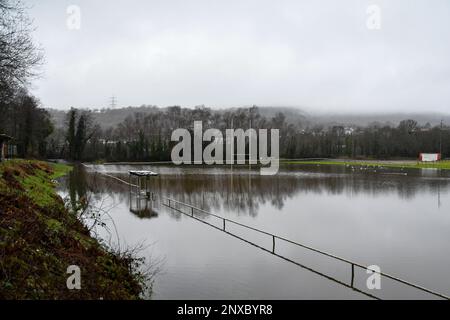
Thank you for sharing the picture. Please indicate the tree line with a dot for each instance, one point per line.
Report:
(147, 137)
(20, 113)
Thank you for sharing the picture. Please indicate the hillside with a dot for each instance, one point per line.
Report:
(112, 117)
(40, 238)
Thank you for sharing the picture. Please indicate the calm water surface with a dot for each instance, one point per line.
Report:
(396, 219)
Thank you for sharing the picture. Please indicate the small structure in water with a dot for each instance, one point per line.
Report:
(142, 199)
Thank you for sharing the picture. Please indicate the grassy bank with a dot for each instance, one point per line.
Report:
(444, 165)
(40, 239)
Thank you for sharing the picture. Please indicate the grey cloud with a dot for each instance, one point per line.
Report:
(315, 54)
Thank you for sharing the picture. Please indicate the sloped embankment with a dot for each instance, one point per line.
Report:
(40, 239)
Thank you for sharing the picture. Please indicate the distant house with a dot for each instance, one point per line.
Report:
(6, 150)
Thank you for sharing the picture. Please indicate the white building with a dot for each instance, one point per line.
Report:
(429, 157)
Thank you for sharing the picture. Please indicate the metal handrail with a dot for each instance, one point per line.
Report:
(274, 237)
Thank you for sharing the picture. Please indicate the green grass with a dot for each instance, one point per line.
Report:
(39, 185)
(39, 189)
(443, 165)
(59, 170)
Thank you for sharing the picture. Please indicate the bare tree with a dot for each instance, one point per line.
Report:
(19, 55)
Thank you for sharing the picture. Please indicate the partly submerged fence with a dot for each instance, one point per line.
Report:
(175, 205)
(171, 203)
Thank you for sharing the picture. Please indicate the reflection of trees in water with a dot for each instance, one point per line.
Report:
(243, 194)
(77, 188)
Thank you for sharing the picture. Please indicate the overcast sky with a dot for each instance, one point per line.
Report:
(317, 55)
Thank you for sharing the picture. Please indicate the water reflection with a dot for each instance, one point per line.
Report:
(143, 208)
(394, 218)
(244, 192)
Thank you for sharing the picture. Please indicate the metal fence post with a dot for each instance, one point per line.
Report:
(352, 263)
(353, 275)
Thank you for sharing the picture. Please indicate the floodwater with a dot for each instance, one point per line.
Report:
(398, 220)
